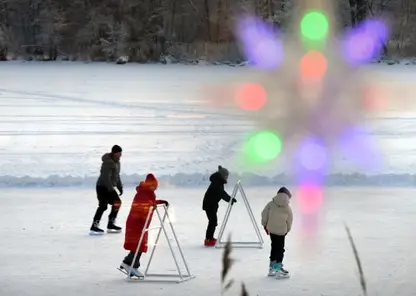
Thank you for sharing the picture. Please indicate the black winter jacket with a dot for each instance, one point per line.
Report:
(110, 173)
(215, 193)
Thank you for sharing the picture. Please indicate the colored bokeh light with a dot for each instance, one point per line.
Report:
(376, 28)
(365, 42)
(356, 146)
(359, 48)
(251, 96)
(309, 198)
(318, 98)
(312, 155)
(374, 98)
(313, 66)
(309, 224)
(314, 26)
(260, 43)
(264, 146)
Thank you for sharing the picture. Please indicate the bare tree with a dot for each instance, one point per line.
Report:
(149, 30)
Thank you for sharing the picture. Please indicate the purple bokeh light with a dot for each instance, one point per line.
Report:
(312, 155)
(260, 42)
(355, 144)
(365, 42)
(312, 160)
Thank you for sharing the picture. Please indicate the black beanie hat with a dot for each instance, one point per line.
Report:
(285, 190)
(116, 149)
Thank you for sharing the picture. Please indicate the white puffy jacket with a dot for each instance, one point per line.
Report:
(277, 216)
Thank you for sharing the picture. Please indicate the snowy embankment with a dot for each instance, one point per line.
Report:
(197, 179)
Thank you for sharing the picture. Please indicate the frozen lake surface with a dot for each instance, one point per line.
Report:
(57, 119)
(45, 248)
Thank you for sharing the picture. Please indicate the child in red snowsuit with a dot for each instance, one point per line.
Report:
(144, 200)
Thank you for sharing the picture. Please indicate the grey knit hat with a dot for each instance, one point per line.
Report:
(223, 172)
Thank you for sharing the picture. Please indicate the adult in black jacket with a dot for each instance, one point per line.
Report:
(212, 197)
(106, 194)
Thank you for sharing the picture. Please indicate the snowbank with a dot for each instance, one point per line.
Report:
(193, 180)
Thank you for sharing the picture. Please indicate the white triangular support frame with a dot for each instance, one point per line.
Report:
(161, 278)
(259, 244)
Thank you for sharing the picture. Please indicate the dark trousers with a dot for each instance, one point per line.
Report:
(212, 223)
(129, 259)
(278, 247)
(105, 198)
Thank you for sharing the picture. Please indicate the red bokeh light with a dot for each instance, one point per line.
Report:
(313, 66)
(373, 98)
(310, 224)
(309, 198)
(217, 95)
(251, 96)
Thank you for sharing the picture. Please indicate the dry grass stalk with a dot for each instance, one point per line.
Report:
(243, 290)
(227, 263)
(363, 282)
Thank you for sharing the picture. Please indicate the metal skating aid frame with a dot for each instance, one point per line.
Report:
(258, 244)
(166, 278)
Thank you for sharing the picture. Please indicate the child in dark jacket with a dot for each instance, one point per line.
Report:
(212, 197)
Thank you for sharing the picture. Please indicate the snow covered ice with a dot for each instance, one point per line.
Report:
(58, 119)
(45, 247)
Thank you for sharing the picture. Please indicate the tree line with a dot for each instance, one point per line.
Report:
(151, 30)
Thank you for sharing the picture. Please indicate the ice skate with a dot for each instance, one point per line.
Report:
(280, 273)
(210, 242)
(284, 270)
(134, 272)
(276, 270)
(95, 229)
(112, 228)
(275, 267)
(272, 271)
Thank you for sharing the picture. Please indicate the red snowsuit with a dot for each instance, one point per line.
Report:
(144, 200)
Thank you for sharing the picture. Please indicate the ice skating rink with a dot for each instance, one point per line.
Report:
(56, 121)
(45, 248)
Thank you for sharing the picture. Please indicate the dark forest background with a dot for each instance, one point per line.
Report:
(154, 30)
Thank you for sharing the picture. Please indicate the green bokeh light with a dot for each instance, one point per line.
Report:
(314, 25)
(264, 146)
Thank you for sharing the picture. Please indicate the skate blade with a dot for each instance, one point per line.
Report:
(133, 277)
(113, 231)
(93, 233)
(282, 277)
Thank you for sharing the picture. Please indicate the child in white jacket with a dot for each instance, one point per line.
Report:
(277, 219)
